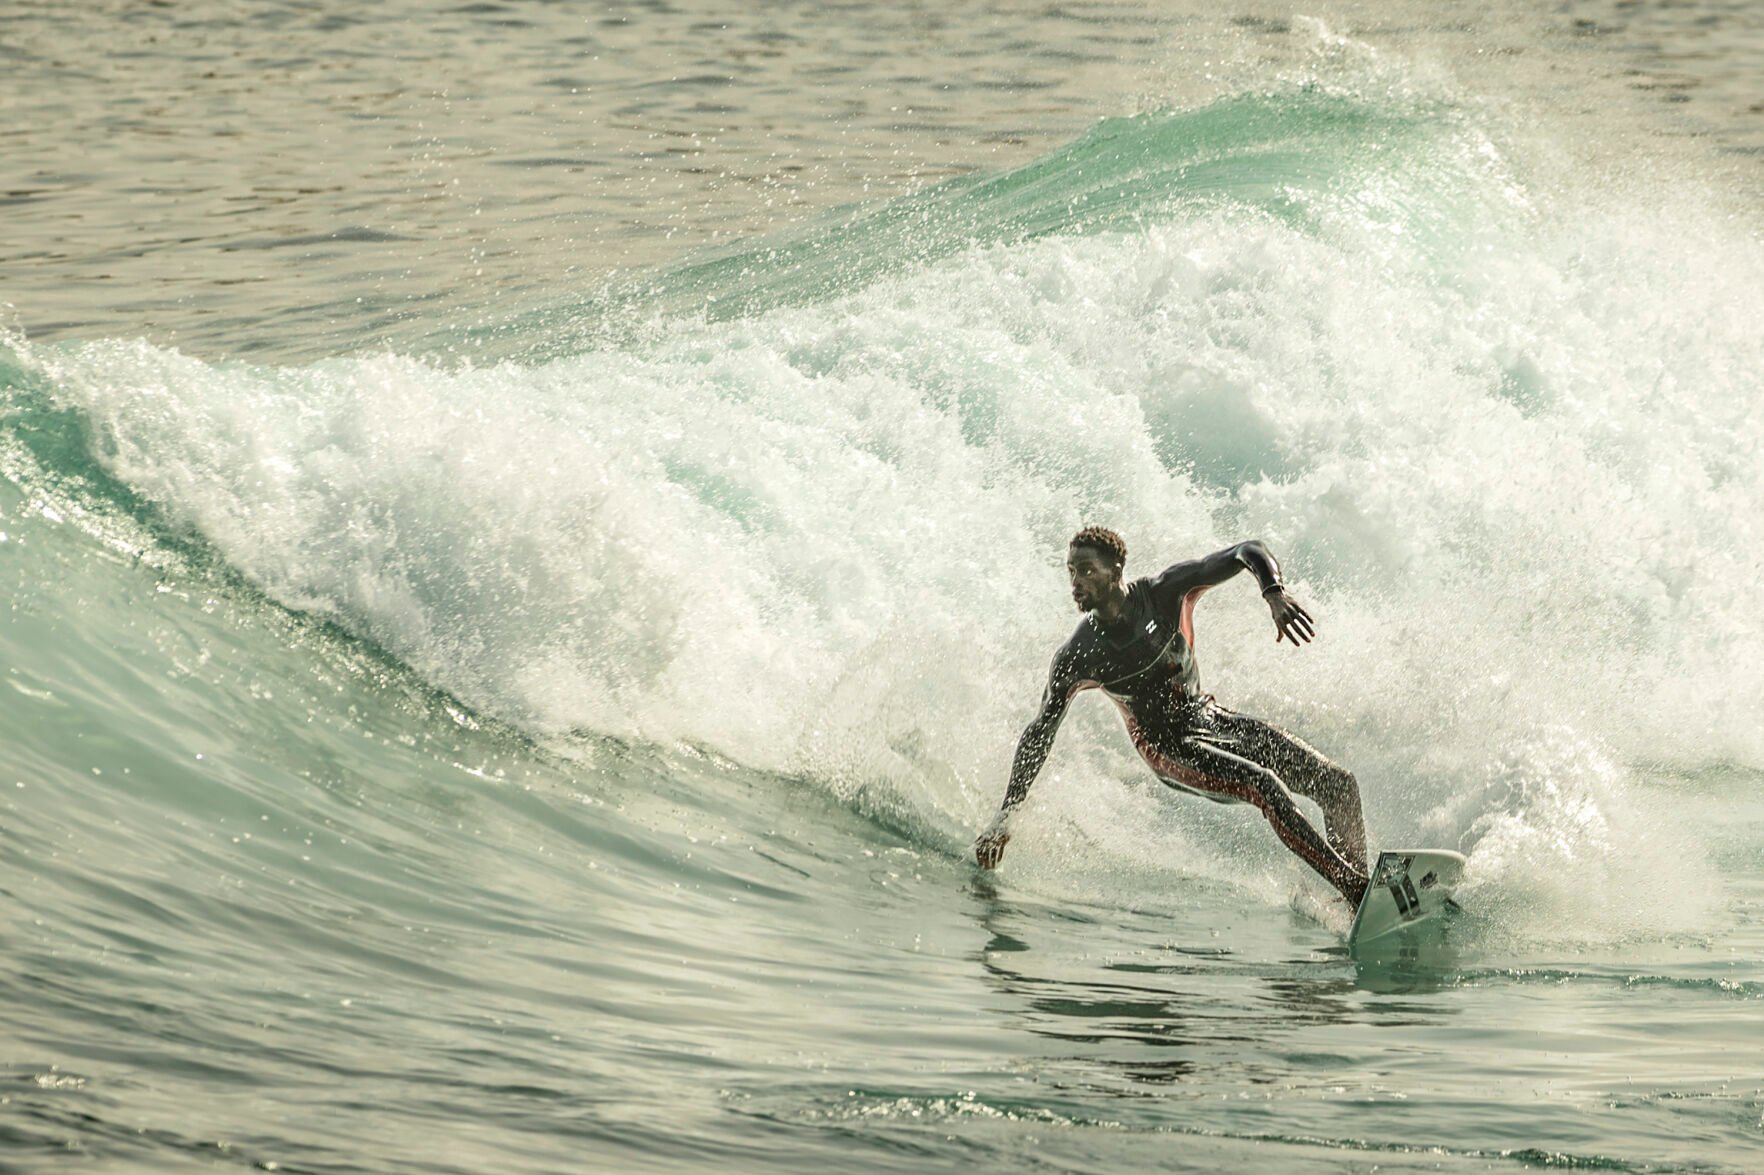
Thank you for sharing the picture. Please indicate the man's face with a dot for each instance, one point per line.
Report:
(1093, 573)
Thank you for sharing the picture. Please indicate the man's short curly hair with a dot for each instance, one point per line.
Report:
(1102, 539)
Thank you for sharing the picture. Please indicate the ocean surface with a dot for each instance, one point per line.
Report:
(531, 529)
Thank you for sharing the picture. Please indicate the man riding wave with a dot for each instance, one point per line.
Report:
(1136, 644)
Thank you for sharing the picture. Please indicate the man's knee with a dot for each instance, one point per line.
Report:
(1275, 795)
(1336, 786)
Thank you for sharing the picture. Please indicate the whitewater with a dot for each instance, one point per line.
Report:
(552, 739)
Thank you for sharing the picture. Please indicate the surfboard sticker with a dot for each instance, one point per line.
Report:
(1409, 887)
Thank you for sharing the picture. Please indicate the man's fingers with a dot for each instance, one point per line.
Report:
(1292, 622)
(1295, 624)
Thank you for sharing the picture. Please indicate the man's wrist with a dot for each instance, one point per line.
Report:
(1272, 588)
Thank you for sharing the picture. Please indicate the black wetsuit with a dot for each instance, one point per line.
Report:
(1145, 663)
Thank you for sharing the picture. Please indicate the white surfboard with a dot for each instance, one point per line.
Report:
(1409, 887)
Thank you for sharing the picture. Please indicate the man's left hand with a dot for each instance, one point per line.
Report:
(1291, 622)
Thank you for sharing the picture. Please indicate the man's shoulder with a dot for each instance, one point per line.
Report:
(1164, 591)
(1077, 659)
(1081, 647)
(1083, 637)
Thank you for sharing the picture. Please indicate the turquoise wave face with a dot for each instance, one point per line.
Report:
(1319, 162)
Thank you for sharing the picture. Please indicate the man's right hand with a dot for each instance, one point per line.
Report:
(989, 847)
(1291, 621)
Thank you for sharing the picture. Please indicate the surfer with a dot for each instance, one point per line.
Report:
(1136, 644)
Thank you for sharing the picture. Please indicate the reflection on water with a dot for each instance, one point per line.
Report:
(1134, 1010)
(1420, 959)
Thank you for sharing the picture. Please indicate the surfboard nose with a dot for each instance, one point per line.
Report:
(1409, 887)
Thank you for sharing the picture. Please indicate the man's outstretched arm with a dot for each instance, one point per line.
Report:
(1032, 749)
(1182, 583)
(1291, 621)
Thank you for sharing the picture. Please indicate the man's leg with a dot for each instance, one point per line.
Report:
(1306, 771)
(1199, 763)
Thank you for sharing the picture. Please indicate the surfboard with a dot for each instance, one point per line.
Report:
(1409, 887)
